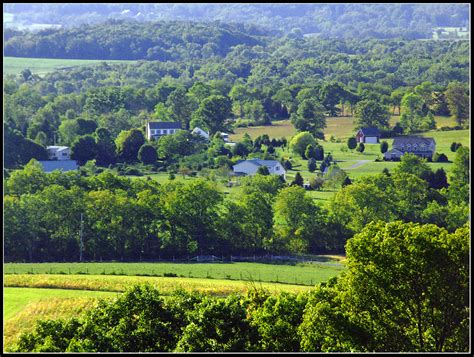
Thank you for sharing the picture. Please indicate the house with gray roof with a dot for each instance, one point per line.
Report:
(250, 167)
(420, 146)
(156, 129)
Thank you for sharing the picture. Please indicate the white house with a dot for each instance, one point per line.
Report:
(156, 129)
(250, 167)
(199, 131)
(368, 135)
(59, 152)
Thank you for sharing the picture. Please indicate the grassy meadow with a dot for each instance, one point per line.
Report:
(42, 66)
(110, 283)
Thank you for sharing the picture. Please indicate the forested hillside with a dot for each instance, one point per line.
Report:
(383, 21)
(132, 40)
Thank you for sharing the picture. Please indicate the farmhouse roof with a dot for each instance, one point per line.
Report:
(404, 140)
(164, 125)
(63, 165)
(57, 148)
(258, 162)
(370, 131)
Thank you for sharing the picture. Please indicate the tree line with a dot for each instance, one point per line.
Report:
(141, 219)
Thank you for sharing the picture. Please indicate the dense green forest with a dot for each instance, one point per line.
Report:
(362, 21)
(133, 40)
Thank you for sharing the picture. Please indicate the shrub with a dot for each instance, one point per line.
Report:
(316, 183)
(455, 146)
(132, 171)
(383, 147)
(298, 180)
(351, 143)
(361, 147)
(440, 157)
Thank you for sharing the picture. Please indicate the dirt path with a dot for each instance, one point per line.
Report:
(358, 164)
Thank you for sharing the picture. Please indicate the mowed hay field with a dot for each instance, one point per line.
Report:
(321, 269)
(41, 66)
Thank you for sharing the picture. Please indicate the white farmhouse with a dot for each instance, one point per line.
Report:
(59, 152)
(250, 167)
(156, 129)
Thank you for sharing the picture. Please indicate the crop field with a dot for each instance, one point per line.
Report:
(41, 66)
(301, 273)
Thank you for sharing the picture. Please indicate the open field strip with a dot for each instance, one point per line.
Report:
(321, 269)
(339, 127)
(41, 66)
(22, 307)
(217, 287)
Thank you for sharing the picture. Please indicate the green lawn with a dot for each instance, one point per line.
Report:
(41, 66)
(308, 273)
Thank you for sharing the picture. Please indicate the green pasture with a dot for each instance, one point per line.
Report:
(320, 269)
(41, 66)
